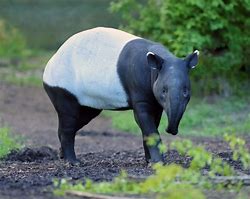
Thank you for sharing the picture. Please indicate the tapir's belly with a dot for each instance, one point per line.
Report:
(86, 66)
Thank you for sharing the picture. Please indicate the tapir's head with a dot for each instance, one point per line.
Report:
(171, 84)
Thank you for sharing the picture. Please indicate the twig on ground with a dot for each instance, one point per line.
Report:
(245, 180)
(96, 196)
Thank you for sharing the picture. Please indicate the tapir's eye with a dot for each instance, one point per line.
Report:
(165, 90)
(185, 92)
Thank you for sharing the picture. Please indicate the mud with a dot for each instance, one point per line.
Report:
(103, 152)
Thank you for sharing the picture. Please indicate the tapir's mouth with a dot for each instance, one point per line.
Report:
(173, 131)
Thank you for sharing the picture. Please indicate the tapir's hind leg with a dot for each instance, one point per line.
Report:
(69, 124)
(71, 117)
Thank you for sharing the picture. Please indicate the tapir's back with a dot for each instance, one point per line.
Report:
(85, 65)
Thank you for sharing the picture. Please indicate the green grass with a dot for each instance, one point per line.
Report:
(28, 69)
(7, 142)
(23, 81)
(122, 120)
(224, 115)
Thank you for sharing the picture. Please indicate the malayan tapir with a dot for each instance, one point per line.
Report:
(106, 68)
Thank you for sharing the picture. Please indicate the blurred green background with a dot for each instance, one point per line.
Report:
(47, 23)
(32, 30)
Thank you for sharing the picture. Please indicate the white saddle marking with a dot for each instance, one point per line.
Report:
(86, 66)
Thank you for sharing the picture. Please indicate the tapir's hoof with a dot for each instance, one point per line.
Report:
(171, 131)
(149, 164)
(72, 162)
(61, 153)
(153, 161)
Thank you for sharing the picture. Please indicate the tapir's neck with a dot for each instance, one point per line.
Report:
(133, 69)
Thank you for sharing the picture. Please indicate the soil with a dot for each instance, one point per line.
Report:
(103, 151)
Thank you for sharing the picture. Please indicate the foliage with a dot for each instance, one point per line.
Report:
(12, 43)
(202, 158)
(240, 152)
(168, 181)
(160, 184)
(7, 143)
(219, 29)
(202, 118)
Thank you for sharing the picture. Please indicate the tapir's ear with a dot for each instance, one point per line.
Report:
(192, 59)
(154, 61)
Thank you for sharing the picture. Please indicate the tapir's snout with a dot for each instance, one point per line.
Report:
(174, 110)
(173, 123)
(174, 118)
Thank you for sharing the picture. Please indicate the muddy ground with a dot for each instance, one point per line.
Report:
(103, 151)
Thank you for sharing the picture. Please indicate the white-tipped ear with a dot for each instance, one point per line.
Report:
(154, 61)
(197, 52)
(150, 53)
(192, 59)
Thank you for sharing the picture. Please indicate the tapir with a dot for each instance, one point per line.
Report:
(106, 68)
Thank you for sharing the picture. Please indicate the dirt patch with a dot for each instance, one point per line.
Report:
(33, 170)
(31, 155)
(103, 152)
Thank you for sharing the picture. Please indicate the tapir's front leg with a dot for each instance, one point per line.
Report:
(144, 117)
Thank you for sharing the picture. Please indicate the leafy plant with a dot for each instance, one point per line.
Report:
(168, 181)
(6, 142)
(184, 26)
(202, 158)
(240, 152)
(160, 184)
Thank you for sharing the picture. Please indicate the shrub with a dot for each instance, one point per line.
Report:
(219, 28)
